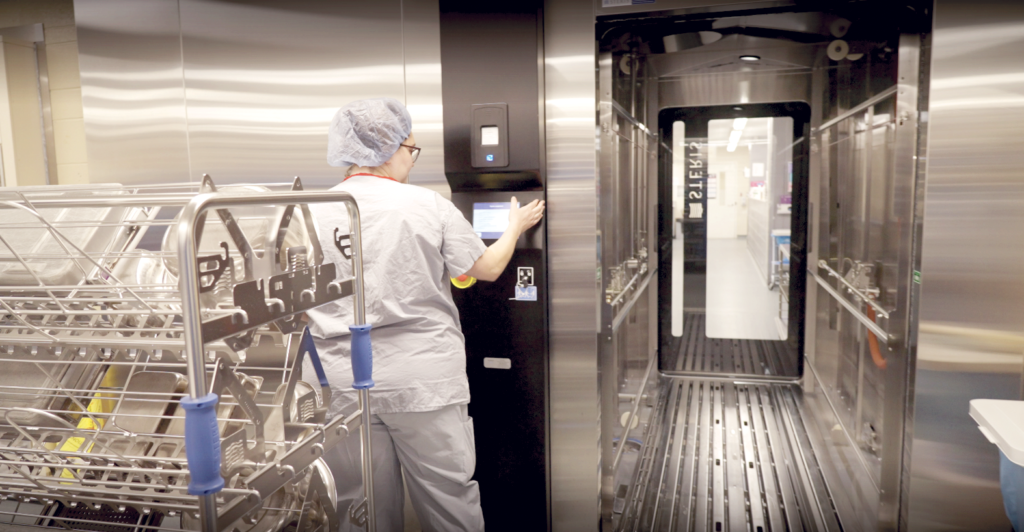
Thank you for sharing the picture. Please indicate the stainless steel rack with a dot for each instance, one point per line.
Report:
(151, 354)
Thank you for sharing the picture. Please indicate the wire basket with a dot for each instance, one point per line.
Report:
(136, 320)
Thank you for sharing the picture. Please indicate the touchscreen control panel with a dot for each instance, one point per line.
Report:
(490, 219)
(488, 211)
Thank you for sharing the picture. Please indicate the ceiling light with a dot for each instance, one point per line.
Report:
(750, 58)
(734, 139)
(739, 123)
(737, 108)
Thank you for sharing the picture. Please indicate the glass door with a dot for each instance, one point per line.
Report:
(734, 217)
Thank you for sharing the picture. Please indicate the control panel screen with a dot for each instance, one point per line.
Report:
(490, 219)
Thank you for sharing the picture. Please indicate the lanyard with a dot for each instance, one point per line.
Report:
(371, 175)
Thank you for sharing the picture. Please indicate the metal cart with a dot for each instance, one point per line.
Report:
(151, 353)
(779, 264)
(782, 277)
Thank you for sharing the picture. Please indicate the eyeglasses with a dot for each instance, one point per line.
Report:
(413, 150)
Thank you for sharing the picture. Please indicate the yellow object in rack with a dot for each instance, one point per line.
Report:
(100, 404)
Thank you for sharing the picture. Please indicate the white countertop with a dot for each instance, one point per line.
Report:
(1002, 422)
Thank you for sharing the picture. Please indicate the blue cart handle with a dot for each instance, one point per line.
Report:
(202, 444)
(362, 357)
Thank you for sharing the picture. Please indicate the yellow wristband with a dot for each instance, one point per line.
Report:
(463, 281)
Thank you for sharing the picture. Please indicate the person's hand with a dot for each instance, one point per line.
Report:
(525, 217)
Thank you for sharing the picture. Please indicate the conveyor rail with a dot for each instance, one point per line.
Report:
(728, 455)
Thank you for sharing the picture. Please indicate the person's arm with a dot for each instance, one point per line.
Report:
(492, 263)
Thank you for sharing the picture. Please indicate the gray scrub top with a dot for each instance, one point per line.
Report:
(413, 241)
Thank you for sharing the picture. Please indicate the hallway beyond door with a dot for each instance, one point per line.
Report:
(739, 303)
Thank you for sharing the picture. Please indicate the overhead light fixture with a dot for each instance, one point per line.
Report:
(734, 140)
(737, 108)
(737, 131)
(750, 58)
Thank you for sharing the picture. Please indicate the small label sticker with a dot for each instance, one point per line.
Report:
(917, 277)
(525, 276)
(497, 363)
(526, 293)
(696, 210)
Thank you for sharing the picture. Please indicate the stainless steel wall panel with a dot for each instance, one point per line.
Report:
(614, 166)
(627, 173)
(728, 89)
(421, 42)
(263, 81)
(722, 57)
(972, 291)
(868, 211)
(245, 91)
(815, 225)
(133, 94)
(854, 493)
(714, 74)
(907, 192)
(575, 287)
(861, 181)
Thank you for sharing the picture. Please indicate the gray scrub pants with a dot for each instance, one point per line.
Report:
(437, 452)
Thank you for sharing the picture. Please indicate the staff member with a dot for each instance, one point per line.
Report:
(413, 240)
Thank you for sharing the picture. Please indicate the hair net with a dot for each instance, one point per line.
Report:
(367, 132)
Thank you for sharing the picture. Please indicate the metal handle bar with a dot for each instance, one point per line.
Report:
(867, 322)
(854, 290)
(859, 108)
(118, 200)
(625, 289)
(633, 413)
(625, 310)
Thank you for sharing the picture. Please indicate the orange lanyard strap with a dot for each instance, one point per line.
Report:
(371, 175)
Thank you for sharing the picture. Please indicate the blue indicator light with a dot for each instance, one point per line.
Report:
(490, 158)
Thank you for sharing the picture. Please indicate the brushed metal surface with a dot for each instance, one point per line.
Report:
(627, 173)
(245, 91)
(866, 186)
(732, 88)
(972, 291)
(133, 93)
(421, 34)
(262, 82)
(572, 219)
(844, 466)
(615, 170)
(723, 57)
(908, 187)
(47, 111)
